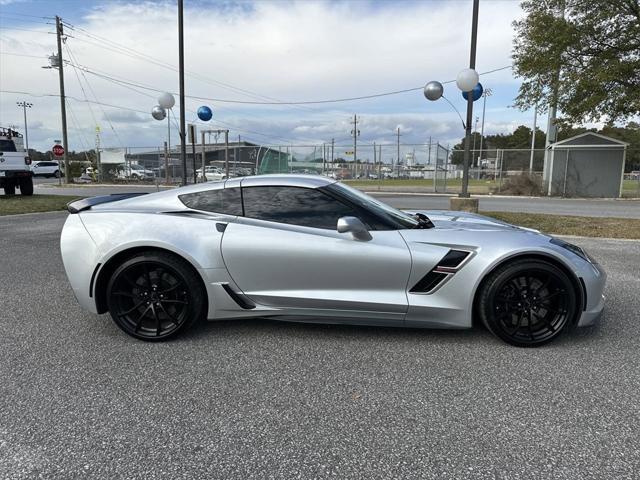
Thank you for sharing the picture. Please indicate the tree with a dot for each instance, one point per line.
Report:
(519, 139)
(585, 49)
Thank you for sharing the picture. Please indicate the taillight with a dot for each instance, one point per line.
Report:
(27, 161)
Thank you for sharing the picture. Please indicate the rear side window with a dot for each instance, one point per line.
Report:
(7, 146)
(294, 205)
(223, 200)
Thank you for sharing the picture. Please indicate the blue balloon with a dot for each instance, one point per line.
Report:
(205, 113)
(476, 92)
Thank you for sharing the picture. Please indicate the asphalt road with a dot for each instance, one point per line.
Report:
(556, 206)
(262, 399)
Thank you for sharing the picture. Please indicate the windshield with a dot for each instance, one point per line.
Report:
(392, 215)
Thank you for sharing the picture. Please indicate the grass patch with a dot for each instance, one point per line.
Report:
(572, 225)
(32, 204)
(630, 188)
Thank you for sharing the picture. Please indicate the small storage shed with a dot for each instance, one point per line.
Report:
(587, 165)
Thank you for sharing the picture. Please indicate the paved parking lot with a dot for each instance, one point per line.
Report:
(261, 399)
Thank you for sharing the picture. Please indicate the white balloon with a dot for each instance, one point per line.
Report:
(166, 100)
(158, 113)
(467, 79)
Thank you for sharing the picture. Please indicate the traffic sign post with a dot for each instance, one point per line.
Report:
(57, 150)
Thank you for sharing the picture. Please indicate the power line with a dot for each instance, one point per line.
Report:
(124, 50)
(249, 102)
(57, 95)
(25, 30)
(24, 55)
(84, 94)
(106, 116)
(128, 84)
(18, 14)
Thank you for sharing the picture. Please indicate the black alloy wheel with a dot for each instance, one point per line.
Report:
(154, 296)
(528, 303)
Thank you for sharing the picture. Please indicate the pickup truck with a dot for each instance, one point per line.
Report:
(15, 164)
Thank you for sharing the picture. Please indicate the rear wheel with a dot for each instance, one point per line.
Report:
(26, 186)
(154, 296)
(528, 303)
(10, 189)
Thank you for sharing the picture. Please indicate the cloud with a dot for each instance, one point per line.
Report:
(259, 51)
(124, 117)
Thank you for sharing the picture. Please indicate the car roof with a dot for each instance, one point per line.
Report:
(168, 199)
(286, 180)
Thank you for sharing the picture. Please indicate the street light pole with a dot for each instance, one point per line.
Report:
(486, 93)
(533, 138)
(24, 106)
(472, 65)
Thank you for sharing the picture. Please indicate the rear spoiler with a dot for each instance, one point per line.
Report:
(78, 206)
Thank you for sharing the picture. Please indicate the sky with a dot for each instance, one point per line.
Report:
(126, 53)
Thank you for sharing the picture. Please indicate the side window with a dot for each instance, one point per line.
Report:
(7, 146)
(223, 200)
(306, 207)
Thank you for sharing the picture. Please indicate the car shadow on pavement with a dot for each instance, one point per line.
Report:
(305, 330)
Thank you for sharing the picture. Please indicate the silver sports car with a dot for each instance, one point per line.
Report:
(308, 248)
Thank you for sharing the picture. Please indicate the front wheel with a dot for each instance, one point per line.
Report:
(528, 303)
(154, 296)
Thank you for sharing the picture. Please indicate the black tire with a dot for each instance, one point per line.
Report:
(528, 303)
(57, 174)
(26, 186)
(155, 296)
(10, 189)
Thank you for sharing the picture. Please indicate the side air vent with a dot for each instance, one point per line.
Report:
(242, 301)
(448, 266)
(453, 259)
(430, 281)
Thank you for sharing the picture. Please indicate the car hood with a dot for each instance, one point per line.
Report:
(453, 220)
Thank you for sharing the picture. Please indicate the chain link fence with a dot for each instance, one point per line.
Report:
(430, 167)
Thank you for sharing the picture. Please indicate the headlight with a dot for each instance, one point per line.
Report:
(575, 249)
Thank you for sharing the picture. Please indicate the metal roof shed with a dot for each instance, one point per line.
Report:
(587, 165)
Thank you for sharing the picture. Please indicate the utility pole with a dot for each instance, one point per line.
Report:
(204, 175)
(63, 107)
(472, 64)
(398, 134)
(166, 164)
(24, 106)
(226, 152)
(333, 142)
(235, 157)
(193, 138)
(355, 132)
(324, 156)
(98, 158)
(183, 139)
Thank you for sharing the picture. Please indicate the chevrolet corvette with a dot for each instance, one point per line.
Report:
(311, 249)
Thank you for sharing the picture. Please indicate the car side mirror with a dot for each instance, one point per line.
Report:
(354, 226)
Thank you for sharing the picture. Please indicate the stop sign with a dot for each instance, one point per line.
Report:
(58, 150)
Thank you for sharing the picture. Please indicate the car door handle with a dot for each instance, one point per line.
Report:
(221, 227)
